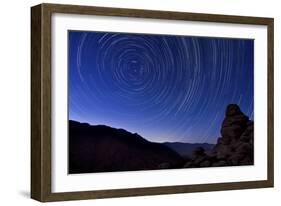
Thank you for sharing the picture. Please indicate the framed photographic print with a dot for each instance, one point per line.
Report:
(130, 102)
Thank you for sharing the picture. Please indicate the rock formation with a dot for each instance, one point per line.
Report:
(234, 147)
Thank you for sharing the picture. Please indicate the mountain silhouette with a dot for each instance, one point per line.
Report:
(104, 149)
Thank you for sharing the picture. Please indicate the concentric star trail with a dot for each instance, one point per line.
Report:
(164, 87)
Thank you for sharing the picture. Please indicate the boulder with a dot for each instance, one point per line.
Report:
(244, 149)
(233, 131)
(239, 119)
(232, 109)
(223, 152)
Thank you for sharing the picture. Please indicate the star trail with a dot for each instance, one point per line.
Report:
(163, 87)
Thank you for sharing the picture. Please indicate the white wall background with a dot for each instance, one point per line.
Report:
(15, 102)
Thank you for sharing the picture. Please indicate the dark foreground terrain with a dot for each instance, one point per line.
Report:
(101, 148)
(105, 149)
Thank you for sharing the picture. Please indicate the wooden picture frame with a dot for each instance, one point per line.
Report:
(41, 116)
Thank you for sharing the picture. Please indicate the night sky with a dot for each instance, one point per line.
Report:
(163, 87)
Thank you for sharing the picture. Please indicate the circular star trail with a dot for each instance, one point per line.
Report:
(166, 88)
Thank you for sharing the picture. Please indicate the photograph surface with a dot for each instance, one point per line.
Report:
(155, 101)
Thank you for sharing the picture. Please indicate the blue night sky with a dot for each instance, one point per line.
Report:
(163, 87)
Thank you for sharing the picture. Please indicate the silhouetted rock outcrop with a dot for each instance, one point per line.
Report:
(234, 147)
(104, 149)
